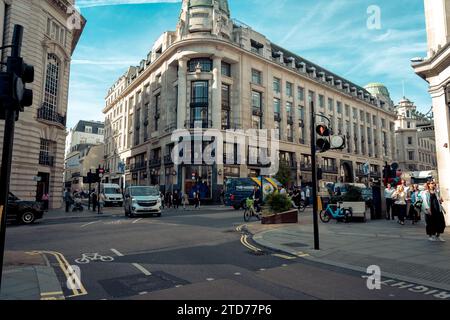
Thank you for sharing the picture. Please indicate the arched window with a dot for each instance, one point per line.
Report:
(51, 83)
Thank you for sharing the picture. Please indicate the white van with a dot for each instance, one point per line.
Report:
(142, 200)
(113, 194)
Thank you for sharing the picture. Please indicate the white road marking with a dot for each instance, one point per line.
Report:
(283, 256)
(262, 269)
(117, 253)
(137, 220)
(210, 279)
(88, 224)
(178, 286)
(142, 293)
(284, 265)
(142, 269)
(237, 274)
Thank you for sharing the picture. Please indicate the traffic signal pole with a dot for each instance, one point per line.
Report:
(5, 173)
(314, 177)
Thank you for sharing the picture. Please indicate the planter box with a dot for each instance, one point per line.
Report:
(284, 217)
(359, 210)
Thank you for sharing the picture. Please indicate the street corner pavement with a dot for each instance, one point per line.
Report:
(402, 252)
(28, 276)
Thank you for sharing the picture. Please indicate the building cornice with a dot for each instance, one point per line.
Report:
(174, 49)
(434, 65)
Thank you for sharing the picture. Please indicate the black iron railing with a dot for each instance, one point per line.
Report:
(48, 114)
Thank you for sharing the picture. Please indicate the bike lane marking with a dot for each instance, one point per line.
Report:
(117, 253)
(136, 221)
(142, 269)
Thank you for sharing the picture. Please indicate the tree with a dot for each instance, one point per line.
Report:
(284, 173)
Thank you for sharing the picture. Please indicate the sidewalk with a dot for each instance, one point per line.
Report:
(29, 277)
(402, 252)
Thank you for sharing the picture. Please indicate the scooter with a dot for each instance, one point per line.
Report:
(334, 211)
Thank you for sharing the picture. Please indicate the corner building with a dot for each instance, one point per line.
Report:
(219, 73)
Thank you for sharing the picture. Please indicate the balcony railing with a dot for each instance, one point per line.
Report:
(48, 114)
(46, 160)
(290, 120)
(204, 124)
(139, 166)
(305, 167)
(330, 169)
(154, 163)
(168, 160)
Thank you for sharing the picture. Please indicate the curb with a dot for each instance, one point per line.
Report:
(49, 285)
(258, 238)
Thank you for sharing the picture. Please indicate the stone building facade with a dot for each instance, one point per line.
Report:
(414, 133)
(435, 69)
(216, 72)
(48, 43)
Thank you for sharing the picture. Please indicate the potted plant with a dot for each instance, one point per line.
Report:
(278, 209)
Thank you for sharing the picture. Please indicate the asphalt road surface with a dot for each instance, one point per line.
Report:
(184, 255)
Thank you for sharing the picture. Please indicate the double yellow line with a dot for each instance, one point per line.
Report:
(244, 241)
(77, 288)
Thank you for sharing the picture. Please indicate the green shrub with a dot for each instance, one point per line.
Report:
(278, 203)
(353, 194)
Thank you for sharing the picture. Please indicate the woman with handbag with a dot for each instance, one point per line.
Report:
(400, 203)
(434, 215)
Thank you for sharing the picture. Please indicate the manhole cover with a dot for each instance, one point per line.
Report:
(133, 285)
(295, 245)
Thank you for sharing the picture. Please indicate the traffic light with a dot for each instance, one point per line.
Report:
(21, 74)
(327, 141)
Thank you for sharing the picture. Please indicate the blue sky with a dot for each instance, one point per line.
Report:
(331, 33)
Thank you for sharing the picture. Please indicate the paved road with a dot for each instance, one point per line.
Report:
(183, 255)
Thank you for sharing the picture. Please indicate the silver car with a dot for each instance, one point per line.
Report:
(142, 201)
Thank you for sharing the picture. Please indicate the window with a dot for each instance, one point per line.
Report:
(256, 47)
(88, 129)
(339, 107)
(408, 125)
(256, 77)
(56, 32)
(205, 64)
(347, 110)
(368, 118)
(101, 131)
(374, 120)
(301, 113)
(301, 94)
(289, 109)
(311, 97)
(257, 110)
(276, 85)
(355, 113)
(410, 140)
(199, 102)
(289, 89)
(46, 153)
(290, 134)
(277, 107)
(330, 105)
(226, 69)
(157, 112)
(361, 115)
(225, 107)
(321, 101)
(411, 155)
(383, 123)
(51, 84)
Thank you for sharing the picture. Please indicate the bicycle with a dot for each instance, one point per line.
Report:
(250, 210)
(333, 211)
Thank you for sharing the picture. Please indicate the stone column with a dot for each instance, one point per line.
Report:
(442, 129)
(182, 89)
(216, 102)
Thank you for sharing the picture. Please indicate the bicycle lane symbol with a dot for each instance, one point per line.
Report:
(87, 258)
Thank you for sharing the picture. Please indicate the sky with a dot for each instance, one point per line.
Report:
(331, 33)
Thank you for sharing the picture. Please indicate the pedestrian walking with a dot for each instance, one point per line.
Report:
(434, 214)
(94, 200)
(388, 192)
(101, 202)
(68, 199)
(196, 200)
(416, 204)
(176, 200)
(163, 203)
(400, 203)
(45, 199)
(185, 201)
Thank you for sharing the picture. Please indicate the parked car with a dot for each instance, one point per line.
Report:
(142, 201)
(113, 194)
(23, 212)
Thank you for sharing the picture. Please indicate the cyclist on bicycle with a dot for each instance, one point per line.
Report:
(257, 198)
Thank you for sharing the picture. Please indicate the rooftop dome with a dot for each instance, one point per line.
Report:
(377, 89)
